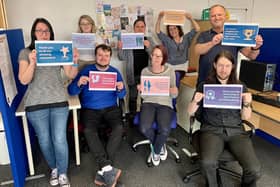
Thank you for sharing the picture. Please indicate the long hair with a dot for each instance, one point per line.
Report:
(33, 30)
(213, 73)
(90, 20)
(180, 30)
(163, 51)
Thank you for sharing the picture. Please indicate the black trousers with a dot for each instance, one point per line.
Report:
(93, 120)
(211, 147)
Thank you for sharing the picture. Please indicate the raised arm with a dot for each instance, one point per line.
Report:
(26, 69)
(253, 52)
(160, 16)
(203, 48)
(193, 22)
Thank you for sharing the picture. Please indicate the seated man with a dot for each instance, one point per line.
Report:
(99, 107)
(220, 127)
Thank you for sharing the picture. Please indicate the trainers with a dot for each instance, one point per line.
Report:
(63, 180)
(155, 159)
(111, 177)
(99, 180)
(163, 153)
(54, 177)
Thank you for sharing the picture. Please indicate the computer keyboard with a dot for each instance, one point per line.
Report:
(266, 100)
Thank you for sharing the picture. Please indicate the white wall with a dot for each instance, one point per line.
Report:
(64, 14)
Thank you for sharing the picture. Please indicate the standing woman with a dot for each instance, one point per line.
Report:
(177, 43)
(158, 108)
(87, 25)
(46, 103)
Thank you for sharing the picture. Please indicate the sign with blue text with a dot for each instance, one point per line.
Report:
(227, 96)
(132, 40)
(54, 53)
(240, 34)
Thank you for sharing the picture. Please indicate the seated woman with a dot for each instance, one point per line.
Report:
(158, 108)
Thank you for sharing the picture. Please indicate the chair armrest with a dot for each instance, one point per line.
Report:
(122, 105)
(251, 126)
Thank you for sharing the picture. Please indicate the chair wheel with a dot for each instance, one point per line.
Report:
(178, 160)
(186, 179)
(134, 148)
(176, 144)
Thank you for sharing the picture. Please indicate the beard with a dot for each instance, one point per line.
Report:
(102, 66)
(223, 78)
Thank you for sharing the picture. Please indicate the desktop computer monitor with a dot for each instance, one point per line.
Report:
(257, 75)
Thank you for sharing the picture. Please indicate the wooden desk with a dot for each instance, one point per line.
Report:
(74, 105)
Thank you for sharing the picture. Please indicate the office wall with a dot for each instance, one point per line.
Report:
(64, 14)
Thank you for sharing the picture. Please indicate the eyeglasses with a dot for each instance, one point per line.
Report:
(41, 32)
(156, 56)
(85, 24)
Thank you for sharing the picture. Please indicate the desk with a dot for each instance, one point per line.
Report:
(74, 105)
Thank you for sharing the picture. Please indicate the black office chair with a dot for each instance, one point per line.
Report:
(224, 158)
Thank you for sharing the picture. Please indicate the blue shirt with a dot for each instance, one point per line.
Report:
(96, 99)
(206, 60)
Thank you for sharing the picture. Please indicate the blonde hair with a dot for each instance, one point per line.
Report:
(90, 20)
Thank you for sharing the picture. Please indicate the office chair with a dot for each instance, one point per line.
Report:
(174, 141)
(225, 157)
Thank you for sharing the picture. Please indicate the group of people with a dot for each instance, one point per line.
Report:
(47, 107)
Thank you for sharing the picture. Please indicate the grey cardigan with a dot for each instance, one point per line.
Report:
(127, 56)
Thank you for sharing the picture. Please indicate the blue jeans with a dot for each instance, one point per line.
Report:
(50, 127)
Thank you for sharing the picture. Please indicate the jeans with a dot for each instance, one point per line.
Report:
(212, 146)
(162, 115)
(50, 127)
(95, 119)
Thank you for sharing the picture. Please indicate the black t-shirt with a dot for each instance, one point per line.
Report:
(141, 60)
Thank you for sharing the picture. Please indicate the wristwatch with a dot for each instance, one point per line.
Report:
(247, 104)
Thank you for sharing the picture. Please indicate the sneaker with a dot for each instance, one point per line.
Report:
(163, 153)
(63, 180)
(111, 177)
(54, 177)
(155, 159)
(99, 180)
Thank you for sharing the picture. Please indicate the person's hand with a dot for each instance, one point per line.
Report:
(259, 41)
(32, 57)
(217, 39)
(119, 85)
(247, 97)
(139, 87)
(161, 14)
(188, 15)
(120, 44)
(147, 43)
(83, 80)
(173, 90)
(76, 55)
(198, 97)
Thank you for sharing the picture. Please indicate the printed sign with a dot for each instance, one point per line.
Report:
(132, 40)
(102, 80)
(155, 85)
(236, 34)
(222, 96)
(174, 17)
(53, 53)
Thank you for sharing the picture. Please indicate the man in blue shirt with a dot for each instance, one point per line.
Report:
(99, 107)
(209, 43)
